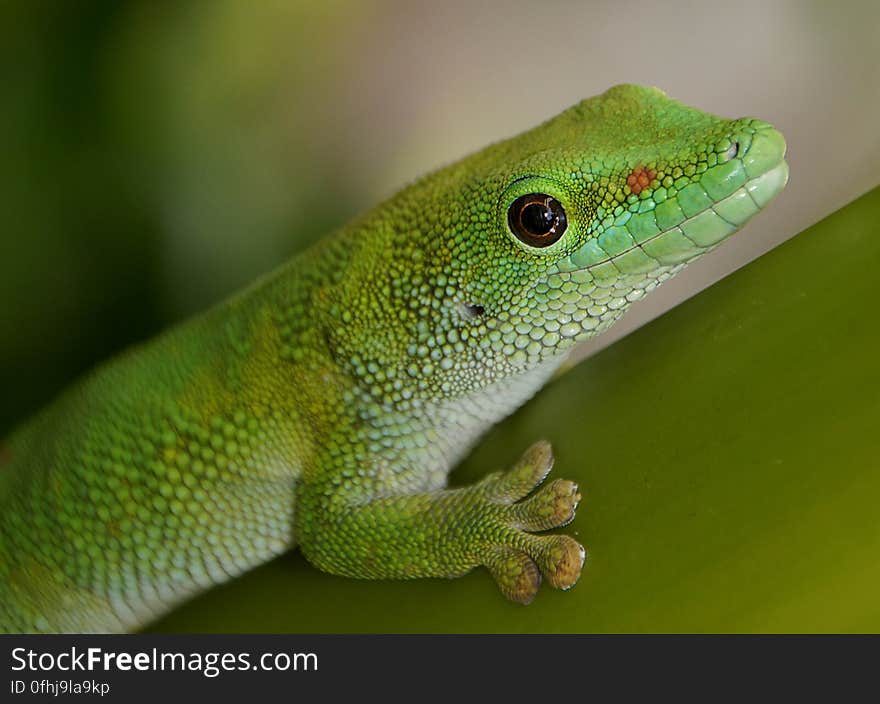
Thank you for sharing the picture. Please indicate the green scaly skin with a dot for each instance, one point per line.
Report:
(324, 406)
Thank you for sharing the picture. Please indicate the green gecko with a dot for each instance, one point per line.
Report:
(324, 406)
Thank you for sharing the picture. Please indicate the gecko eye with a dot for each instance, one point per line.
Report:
(537, 219)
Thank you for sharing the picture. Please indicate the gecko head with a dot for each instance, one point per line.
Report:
(601, 205)
(502, 261)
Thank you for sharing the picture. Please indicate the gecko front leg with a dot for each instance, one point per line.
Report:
(447, 533)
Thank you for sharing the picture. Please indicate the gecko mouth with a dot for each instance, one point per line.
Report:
(693, 220)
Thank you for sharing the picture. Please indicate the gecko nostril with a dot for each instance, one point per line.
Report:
(732, 151)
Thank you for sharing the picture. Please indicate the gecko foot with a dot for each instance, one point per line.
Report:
(520, 561)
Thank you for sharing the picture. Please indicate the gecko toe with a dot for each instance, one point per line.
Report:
(553, 506)
(560, 558)
(516, 574)
(531, 469)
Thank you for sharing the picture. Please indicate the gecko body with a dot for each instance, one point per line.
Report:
(323, 407)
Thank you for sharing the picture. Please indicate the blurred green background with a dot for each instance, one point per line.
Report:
(158, 155)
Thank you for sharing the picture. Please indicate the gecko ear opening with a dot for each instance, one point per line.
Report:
(472, 310)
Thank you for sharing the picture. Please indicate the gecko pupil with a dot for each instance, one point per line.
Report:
(537, 219)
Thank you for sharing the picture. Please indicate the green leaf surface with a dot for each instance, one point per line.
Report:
(728, 456)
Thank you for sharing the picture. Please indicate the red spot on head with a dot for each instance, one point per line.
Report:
(639, 179)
